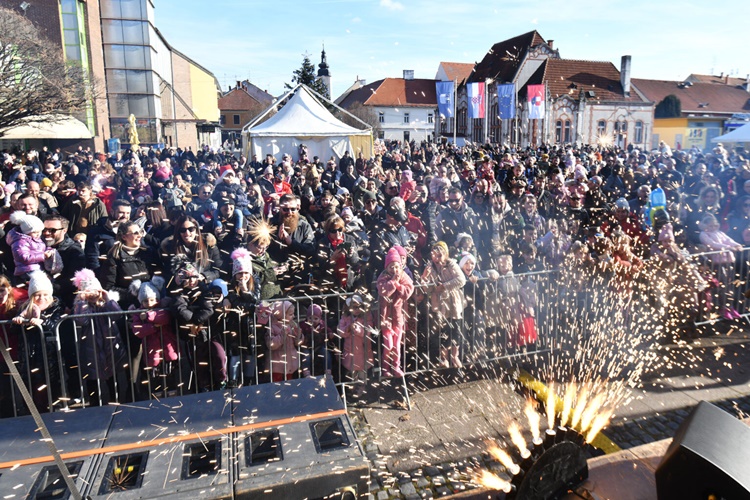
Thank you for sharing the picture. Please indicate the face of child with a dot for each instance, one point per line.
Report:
(42, 299)
(504, 265)
(315, 320)
(242, 277)
(394, 268)
(149, 303)
(468, 267)
(35, 234)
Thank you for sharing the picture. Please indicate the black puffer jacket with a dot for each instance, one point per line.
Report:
(121, 269)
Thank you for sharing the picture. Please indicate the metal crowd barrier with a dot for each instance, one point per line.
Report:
(513, 316)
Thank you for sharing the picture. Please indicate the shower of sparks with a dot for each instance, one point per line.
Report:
(518, 440)
(492, 481)
(534, 419)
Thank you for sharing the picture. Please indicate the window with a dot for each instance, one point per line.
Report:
(381, 134)
(638, 139)
(406, 117)
(223, 119)
(558, 131)
(601, 128)
(236, 119)
(406, 136)
(381, 117)
(567, 131)
(430, 118)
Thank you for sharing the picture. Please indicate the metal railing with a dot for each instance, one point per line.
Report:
(83, 361)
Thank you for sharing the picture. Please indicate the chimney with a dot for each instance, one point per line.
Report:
(625, 75)
(239, 84)
(747, 83)
(408, 74)
(726, 79)
(551, 44)
(721, 75)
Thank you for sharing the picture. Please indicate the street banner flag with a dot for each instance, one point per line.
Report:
(536, 101)
(475, 94)
(506, 100)
(445, 98)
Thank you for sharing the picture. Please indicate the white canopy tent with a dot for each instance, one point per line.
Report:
(741, 134)
(49, 127)
(304, 120)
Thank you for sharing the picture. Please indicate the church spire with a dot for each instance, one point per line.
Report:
(323, 66)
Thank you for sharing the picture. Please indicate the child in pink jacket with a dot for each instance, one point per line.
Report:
(723, 260)
(283, 338)
(356, 329)
(155, 328)
(394, 289)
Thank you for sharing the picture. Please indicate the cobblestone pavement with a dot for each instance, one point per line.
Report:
(711, 370)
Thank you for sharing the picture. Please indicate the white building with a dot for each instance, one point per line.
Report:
(404, 108)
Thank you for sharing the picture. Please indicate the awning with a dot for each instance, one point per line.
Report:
(52, 127)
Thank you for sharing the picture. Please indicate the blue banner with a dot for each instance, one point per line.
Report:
(444, 91)
(506, 100)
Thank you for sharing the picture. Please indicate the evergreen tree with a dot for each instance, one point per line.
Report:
(670, 107)
(306, 75)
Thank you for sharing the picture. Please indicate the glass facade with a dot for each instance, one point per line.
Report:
(131, 60)
(73, 20)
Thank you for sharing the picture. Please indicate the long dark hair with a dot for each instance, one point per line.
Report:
(201, 252)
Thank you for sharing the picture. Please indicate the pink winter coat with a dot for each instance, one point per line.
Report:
(283, 339)
(393, 295)
(357, 342)
(28, 252)
(158, 325)
(718, 240)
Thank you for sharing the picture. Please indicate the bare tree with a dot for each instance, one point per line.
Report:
(364, 113)
(35, 80)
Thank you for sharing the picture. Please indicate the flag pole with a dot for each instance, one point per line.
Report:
(486, 110)
(455, 96)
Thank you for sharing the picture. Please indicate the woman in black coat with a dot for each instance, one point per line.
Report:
(201, 251)
(337, 256)
(127, 261)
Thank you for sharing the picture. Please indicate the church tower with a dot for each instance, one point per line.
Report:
(323, 74)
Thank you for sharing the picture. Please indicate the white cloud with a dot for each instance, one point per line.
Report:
(357, 20)
(391, 5)
(535, 21)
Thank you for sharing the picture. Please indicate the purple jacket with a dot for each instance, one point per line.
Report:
(28, 252)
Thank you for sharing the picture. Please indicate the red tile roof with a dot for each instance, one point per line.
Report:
(237, 99)
(394, 92)
(703, 98)
(504, 58)
(457, 71)
(570, 76)
(723, 80)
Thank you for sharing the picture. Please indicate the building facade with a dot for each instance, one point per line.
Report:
(403, 109)
(135, 71)
(588, 102)
(237, 107)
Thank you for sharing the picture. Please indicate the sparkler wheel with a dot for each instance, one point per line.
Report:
(550, 474)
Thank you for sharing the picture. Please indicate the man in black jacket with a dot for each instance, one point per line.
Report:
(55, 235)
(102, 237)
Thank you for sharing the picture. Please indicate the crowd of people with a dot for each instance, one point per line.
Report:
(207, 248)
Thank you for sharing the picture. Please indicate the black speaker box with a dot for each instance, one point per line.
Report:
(708, 458)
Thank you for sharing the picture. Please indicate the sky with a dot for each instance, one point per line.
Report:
(265, 41)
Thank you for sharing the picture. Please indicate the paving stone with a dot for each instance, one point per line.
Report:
(431, 471)
(442, 491)
(382, 495)
(422, 482)
(408, 489)
(415, 496)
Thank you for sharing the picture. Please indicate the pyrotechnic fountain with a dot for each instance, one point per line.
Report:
(557, 462)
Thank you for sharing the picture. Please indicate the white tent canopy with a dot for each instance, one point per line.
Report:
(304, 120)
(741, 134)
(49, 127)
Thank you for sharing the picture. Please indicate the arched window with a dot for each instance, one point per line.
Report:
(567, 131)
(601, 128)
(558, 131)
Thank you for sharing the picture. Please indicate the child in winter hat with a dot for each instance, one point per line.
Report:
(26, 243)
